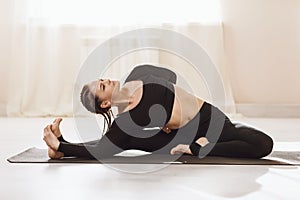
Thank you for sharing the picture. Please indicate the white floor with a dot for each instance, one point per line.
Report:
(95, 181)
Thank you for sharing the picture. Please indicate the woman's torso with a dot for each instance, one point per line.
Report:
(185, 108)
(185, 105)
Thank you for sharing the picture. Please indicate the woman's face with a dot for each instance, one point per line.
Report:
(104, 89)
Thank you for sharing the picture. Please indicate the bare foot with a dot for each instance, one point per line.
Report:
(54, 154)
(55, 127)
(202, 141)
(50, 139)
(181, 148)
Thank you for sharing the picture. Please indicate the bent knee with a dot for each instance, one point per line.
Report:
(265, 147)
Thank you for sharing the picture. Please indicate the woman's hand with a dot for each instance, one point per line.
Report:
(50, 139)
(55, 127)
(54, 154)
(181, 148)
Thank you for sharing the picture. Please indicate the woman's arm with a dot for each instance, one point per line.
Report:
(62, 139)
(111, 143)
(102, 149)
(116, 140)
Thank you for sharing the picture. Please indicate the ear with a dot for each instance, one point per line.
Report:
(105, 104)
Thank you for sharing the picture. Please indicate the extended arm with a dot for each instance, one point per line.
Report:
(62, 139)
(111, 143)
(116, 140)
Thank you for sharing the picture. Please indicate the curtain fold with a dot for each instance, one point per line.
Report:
(44, 60)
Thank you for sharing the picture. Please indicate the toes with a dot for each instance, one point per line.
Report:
(57, 120)
(175, 150)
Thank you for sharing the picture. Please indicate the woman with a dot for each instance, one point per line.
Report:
(149, 98)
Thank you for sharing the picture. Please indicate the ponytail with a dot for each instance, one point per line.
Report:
(92, 103)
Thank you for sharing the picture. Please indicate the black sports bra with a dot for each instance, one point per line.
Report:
(156, 104)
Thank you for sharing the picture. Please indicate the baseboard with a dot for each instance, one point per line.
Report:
(269, 110)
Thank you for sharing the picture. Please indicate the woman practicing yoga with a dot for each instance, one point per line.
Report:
(149, 98)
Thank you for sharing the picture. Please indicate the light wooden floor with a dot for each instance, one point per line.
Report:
(95, 181)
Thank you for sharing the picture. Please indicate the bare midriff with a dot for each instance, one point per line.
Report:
(185, 108)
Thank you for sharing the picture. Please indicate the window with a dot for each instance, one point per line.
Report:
(123, 12)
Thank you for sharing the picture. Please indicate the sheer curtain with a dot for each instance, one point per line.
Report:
(47, 41)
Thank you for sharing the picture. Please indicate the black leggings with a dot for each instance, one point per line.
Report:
(233, 140)
(226, 139)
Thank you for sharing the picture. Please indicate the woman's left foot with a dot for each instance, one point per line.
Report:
(203, 141)
(181, 148)
(54, 154)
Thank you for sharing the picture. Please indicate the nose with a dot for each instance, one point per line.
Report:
(106, 81)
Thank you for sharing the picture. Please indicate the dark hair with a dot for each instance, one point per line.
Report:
(92, 103)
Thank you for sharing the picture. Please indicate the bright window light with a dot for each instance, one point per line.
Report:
(123, 12)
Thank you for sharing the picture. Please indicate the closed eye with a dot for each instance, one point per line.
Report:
(102, 85)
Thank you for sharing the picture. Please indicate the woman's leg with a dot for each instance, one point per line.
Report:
(240, 142)
(226, 139)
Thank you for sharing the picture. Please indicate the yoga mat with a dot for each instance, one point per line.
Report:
(35, 155)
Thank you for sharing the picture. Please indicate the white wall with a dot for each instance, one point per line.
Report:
(262, 47)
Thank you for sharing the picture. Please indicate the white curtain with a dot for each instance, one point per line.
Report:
(46, 41)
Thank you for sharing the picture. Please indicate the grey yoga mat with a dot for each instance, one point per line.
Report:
(35, 155)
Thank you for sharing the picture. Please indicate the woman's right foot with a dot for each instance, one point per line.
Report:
(55, 127)
(50, 139)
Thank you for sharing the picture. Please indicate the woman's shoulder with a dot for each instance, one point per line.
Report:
(141, 71)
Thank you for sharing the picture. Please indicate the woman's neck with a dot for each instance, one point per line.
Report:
(121, 98)
(126, 96)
